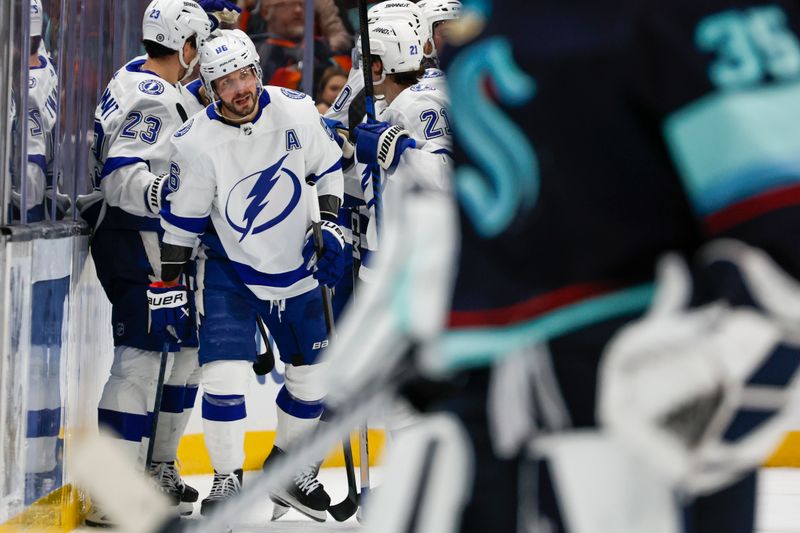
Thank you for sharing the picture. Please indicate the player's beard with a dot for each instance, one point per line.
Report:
(242, 105)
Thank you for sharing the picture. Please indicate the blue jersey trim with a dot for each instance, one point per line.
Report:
(478, 347)
(190, 224)
(336, 166)
(251, 276)
(298, 408)
(116, 163)
(136, 66)
(194, 88)
(40, 161)
(263, 102)
(42, 63)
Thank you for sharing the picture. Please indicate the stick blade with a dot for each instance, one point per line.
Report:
(345, 509)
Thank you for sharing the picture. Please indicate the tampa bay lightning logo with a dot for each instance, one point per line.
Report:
(297, 95)
(151, 87)
(263, 200)
(185, 128)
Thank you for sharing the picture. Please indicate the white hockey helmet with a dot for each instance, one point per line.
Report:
(397, 44)
(436, 11)
(404, 11)
(227, 52)
(171, 23)
(37, 14)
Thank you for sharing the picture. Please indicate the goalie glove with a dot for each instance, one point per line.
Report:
(706, 393)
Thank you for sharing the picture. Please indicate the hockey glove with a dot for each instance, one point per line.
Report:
(328, 268)
(220, 11)
(706, 393)
(89, 206)
(170, 312)
(63, 202)
(156, 194)
(341, 137)
(381, 143)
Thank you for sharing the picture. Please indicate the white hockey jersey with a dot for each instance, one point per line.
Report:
(250, 180)
(42, 117)
(435, 77)
(340, 109)
(134, 120)
(421, 109)
(193, 97)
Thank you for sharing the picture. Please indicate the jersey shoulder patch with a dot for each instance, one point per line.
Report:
(184, 129)
(422, 87)
(151, 86)
(295, 95)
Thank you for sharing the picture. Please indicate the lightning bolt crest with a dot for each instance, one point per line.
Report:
(264, 184)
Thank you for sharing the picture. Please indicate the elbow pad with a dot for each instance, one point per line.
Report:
(329, 206)
(173, 258)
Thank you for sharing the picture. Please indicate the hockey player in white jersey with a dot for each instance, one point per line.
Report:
(241, 169)
(405, 11)
(439, 14)
(139, 110)
(42, 117)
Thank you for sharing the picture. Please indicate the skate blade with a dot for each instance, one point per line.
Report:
(317, 516)
(278, 510)
(185, 508)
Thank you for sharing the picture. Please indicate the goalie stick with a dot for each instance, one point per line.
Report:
(349, 506)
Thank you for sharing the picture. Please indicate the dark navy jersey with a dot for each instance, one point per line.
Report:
(593, 137)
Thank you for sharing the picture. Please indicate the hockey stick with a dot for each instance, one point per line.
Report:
(151, 443)
(377, 194)
(349, 506)
(265, 362)
(369, 100)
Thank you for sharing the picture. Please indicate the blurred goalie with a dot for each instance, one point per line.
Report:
(621, 348)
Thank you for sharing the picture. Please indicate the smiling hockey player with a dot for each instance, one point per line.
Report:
(241, 169)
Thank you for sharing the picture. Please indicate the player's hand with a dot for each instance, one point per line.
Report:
(63, 202)
(89, 206)
(381, 143)
(170, 312)
(220, 11)
(157, 192)
(214, 6)
(329, 267)
(341, 136)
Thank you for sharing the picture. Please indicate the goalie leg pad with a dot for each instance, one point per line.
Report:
(428, 472)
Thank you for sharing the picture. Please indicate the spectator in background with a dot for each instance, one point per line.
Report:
(278, 34)
(329, 87)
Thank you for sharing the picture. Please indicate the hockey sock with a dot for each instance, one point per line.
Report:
(295, 418)
(224, 428)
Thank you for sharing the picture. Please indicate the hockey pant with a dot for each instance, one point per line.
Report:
(228, 330)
